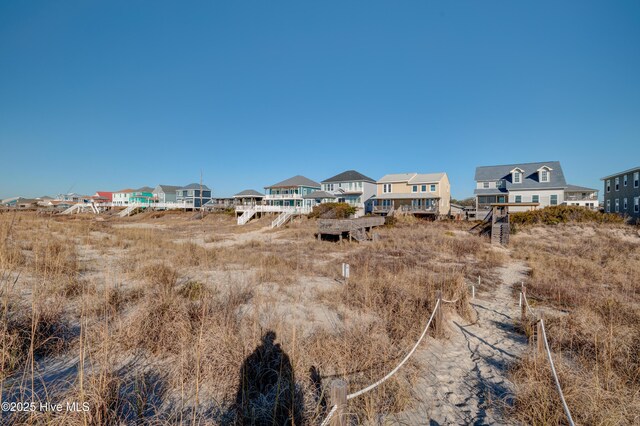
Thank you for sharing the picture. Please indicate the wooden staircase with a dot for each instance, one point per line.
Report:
(500, 228)
(282, 219)
(246, 216)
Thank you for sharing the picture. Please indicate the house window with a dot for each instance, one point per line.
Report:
(636, 179)
(517, 177)
(617, 183)
(535, 198)
(432, 188)
(624, 203)
(636, 204)
(617, 205)
(608, 206)
(424, 188)
(553, 200)
(544, 176)
(414, 188)
(485, 185)
(386, 188)
(518, 198)
(608, 185)
(624, 180)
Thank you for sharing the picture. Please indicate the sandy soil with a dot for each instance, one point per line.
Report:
(465, 377)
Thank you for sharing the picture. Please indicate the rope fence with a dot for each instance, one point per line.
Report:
(372, 386)
(543, 342)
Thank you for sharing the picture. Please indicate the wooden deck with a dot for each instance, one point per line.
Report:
(358, 229)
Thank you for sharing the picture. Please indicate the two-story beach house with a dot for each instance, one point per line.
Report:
(291, 192)
(350, 187)
(166, 193)
(420, 194)
(536, 185)
(121, 198)
(190, 195)
(575, 195)
(622, 193)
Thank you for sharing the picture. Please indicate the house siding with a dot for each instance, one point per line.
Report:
(630, 192)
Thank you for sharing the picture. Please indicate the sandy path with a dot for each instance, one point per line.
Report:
(464, 380)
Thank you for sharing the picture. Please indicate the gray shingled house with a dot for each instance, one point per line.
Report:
(290, 192)
(353, 188)
(541, 182)
(622, 193)
(166, 193)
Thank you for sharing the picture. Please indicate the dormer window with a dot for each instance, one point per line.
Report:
(544, 174)
(516, 175)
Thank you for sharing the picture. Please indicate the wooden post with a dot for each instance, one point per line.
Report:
(539, 338)
(523, 308)
(339, 398)
(439, 316)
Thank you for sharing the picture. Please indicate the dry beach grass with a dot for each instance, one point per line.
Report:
(162, 319)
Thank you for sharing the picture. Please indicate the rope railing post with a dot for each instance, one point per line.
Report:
(555, 374)
(539, 341)
(439, 326)
(523, 308)
(339, 400)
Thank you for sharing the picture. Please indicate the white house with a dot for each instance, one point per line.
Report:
(351, 187)
(122, 197)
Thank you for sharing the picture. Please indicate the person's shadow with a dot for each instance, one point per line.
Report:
(267, 392)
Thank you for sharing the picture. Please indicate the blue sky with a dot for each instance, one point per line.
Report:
(108, 95)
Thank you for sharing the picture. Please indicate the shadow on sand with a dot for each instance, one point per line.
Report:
(267, 393)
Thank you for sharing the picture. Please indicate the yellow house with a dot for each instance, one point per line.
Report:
(415, 193)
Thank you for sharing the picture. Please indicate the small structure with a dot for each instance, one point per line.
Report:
(496, 223)
(121, 198)
(102, 197)
(355, 229)
(248, 197)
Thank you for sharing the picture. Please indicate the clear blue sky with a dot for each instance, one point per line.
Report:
(113, 94)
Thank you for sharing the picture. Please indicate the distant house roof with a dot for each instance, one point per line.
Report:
(529, 175)
(349, 176)
(404, 196)
(251, 193)
(297, 180)
(166, 188)
(576, 188)
(621, 173)
(45, 197)
(412, 178)
(316, 195)
(195, 186)
(123, 191)
(398, 177)
(144, 189)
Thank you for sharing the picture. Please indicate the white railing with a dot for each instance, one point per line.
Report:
(246, 216)
(283, 197)
(276, 209)
(282, 219)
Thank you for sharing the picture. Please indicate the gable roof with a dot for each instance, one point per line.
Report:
(317, 195)
(576, 188)
(144, 189)
(529, 175)
(123, 191)
(349, 176)
(412, 178)
(297, 180)
(426, 177)
(195, 186)
(621, 173)
(249, 193)
(166, 188)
